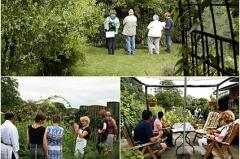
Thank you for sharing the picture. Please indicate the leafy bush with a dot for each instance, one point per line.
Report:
(45, 37)
(131, 108)
(131, 153)
(172, 117)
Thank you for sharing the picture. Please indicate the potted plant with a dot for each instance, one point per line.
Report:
(152, 102)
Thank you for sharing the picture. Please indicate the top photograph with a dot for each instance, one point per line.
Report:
(120, 38)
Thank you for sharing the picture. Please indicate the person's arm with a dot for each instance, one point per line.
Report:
(117, 23)
(115, 126)
(149, 26)
(103, 128)
(76, 128)
(124, 21)
(14, 138)
(167, 26)
(45, 143)
(82, 133)
(157, 138)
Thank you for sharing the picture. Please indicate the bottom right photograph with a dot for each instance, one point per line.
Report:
(179, 117)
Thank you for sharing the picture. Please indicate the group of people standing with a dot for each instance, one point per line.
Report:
(155, 28)
(42, 142)
(46, 143)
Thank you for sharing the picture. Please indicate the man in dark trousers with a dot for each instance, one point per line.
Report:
(168, 30)
(143, 132)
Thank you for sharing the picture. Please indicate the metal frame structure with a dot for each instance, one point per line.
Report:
(146, 86)
(185, 101)
(200, 54)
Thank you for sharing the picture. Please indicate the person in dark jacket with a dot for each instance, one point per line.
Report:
(168, 31)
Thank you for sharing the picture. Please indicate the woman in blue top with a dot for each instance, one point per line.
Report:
(53, 139)
(112, 24)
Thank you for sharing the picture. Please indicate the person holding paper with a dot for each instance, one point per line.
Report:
(111, 26)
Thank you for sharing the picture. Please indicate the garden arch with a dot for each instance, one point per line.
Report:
(208, 52)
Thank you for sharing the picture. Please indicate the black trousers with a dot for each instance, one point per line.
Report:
(13, 156)
(111, 45)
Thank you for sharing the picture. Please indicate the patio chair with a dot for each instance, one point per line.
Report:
(146, 148)
(221, 147)
(212, 122)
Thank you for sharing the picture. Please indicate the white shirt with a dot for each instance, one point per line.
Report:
(155, 28)
(9, 135)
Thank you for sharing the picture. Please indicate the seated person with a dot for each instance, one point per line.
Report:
(159, 126)
(218, 134)
(143, 132)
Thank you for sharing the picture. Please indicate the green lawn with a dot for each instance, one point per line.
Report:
(99, 63)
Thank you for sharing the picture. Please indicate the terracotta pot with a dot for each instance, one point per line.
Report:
(152, 103)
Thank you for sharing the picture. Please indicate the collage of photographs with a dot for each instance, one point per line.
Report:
(119, 79)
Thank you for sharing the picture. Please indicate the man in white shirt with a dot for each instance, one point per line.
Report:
(154, 34)
(129, 30)
(9, 138)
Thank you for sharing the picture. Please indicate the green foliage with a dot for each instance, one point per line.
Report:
(172, 117)
(46, 38)
(133, 87)
(169, 97)
(9, 92)
(131, 153)
(130, 108)
(184, 65)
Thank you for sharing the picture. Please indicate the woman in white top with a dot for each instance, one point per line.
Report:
(154, 34)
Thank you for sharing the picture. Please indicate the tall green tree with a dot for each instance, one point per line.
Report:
(46, 37)
(133, 87)
(9, 92)
(168, 97)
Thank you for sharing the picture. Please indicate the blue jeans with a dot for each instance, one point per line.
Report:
(130, 44)
(168, 42)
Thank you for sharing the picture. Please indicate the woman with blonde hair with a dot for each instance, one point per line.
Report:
(83, 135)
(218, 134)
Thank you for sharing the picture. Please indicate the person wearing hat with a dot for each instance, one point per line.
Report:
(112, 130)
(218, 134)
(111, 25)
(9, 138)
(168, 31)
(129, 31)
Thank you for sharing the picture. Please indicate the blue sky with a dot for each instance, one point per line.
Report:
(77, 90)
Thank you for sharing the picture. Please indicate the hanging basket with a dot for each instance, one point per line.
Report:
(152, 103)
(212, 103)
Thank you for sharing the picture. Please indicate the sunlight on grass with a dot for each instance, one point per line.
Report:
(99, 63)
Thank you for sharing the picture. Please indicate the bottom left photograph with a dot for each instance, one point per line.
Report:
(60, 117)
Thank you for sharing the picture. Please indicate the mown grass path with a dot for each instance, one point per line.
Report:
(99, 63)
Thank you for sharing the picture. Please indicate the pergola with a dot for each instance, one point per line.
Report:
(185, 86)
